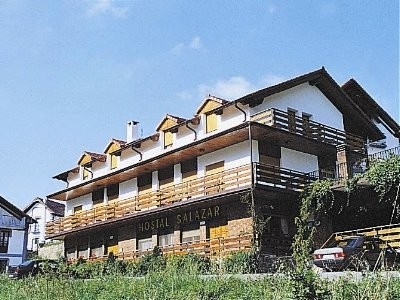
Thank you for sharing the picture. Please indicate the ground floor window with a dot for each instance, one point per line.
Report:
(97, 250)
(4, 240)
(145, 244)
(166, 240)
(190, 236)
(70, 253)
(82, 251)
(3, 265)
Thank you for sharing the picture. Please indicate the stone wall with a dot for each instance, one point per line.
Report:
(52, 250)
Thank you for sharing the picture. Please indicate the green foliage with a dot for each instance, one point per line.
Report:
(189, 264)
(240, 263)
(151, 262)
(384, 175)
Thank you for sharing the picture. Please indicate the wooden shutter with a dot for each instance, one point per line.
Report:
(168, 139)
(211, 122)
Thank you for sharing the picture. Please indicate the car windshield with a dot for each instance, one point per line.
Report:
(348, 242)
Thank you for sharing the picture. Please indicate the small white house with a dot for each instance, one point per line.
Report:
(42, 211)
(14, 225)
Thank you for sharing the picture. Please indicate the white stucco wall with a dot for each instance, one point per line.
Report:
(298, 161)
(85, 201)
(305, 99)
(233, 156)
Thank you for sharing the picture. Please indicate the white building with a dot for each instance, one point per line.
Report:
(184, 187)
(42, 211)
(14, 225)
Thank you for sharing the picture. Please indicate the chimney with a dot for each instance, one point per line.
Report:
(132, 131)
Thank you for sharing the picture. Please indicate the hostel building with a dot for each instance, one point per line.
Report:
(206, 183)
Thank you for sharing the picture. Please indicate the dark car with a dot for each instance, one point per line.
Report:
(34, 267)
(357, 253)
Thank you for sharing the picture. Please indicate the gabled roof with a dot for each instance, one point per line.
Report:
(114, 145)
(370, 107)
(54, 207)
(13, 210)
(169, 121)
(90, 157)
(57, 208)
(64, 175)
(320, 78)
(211, 102)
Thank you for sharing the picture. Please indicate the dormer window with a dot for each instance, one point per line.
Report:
(165, 126)
(209, 107)
(113, 153)
(86, 173)
(168, 139)
(211, 122)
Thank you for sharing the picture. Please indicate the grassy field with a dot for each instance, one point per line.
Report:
(171, 285)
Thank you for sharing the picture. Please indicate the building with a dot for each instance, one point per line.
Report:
(14, 225)
(42, 211)
(208, 184)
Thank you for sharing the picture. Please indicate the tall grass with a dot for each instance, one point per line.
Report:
(184, 278)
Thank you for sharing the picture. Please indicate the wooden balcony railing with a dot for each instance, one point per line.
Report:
(217, 247)
(316, 131)
(344, 171)
(277, 177)
(208, 185)
(264, 175)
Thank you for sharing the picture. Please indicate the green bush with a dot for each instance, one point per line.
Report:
(240, 262)
(189, 264)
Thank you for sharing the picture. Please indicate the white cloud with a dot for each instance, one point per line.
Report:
(237, 86)
(195, 44)
(99, 7)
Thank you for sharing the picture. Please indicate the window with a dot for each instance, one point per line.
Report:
(168, 139)
(166, 240)
(144, 183)
(145, 244)
(96, 249)
(98, 197)
(86, 173)
(269, 154)
(113, 192)
(114, 161)
(166, 176)
(4, 240)
(191, 236)
(36, 226)
(82, 251)
(211, 122)
(78, 209)
(189, 169)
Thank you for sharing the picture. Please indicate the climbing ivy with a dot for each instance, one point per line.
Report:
(318, 199)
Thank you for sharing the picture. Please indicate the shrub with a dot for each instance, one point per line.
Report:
(240, 262)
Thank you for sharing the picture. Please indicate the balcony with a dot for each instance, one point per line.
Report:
(217, 247)
(341, 172)
(265, 176)
(313, 130)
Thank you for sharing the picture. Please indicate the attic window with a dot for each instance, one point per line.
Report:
(211, 122)
(168, 139)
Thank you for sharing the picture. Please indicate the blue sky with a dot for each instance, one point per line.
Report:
(72, 73)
